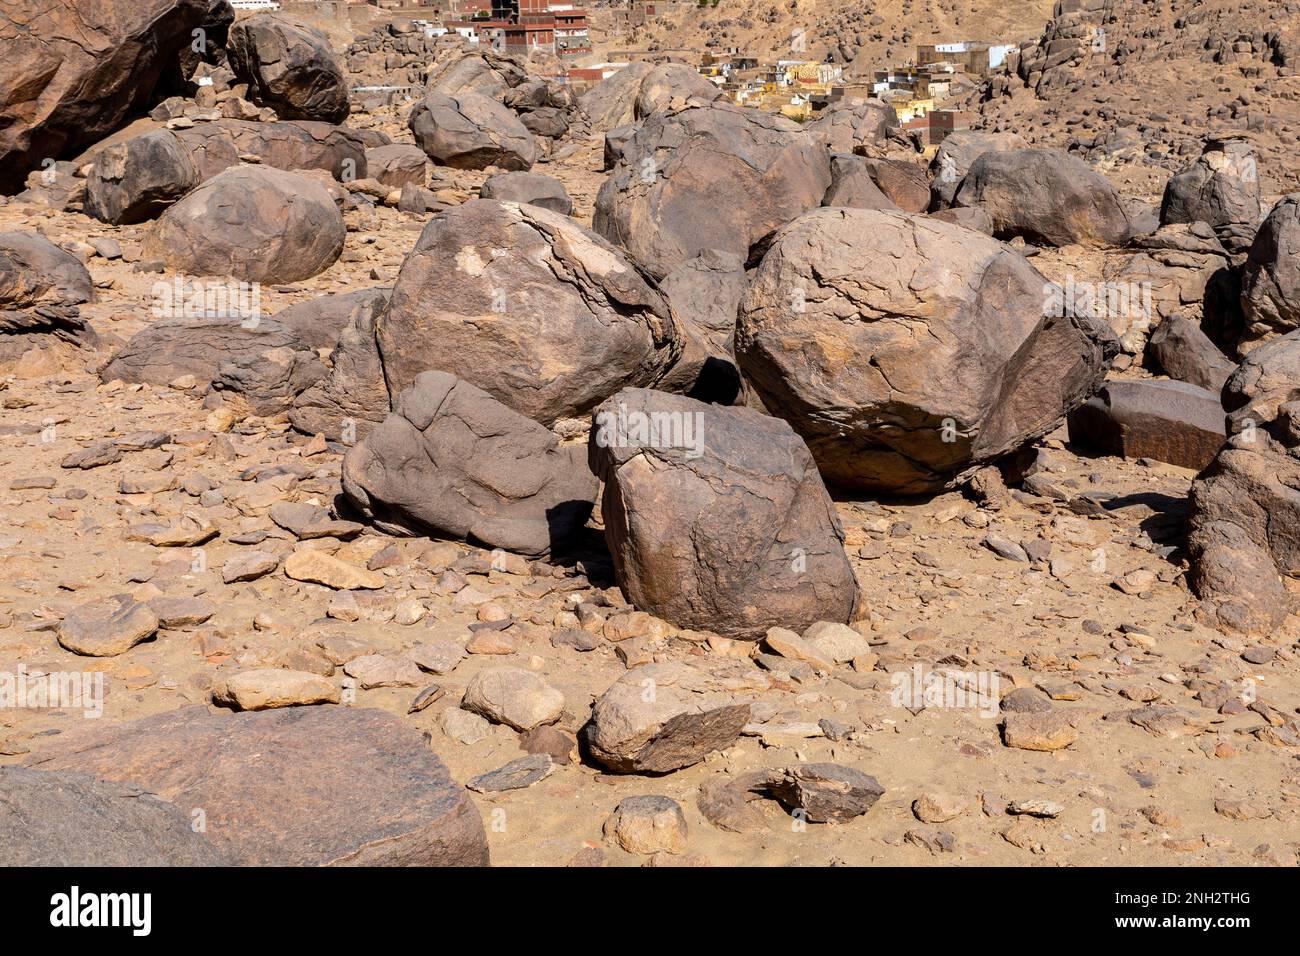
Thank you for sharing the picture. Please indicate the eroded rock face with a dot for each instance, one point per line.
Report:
(75, 819)
(290, 67)
(41, 289)
(1244, 522)
(545, 316)
(1185, 353)
(471, 131)
(294, 146)
(453, 460)
(138, 179)
(378, 796)
(828, 334)
(717, 518)
(252, 223)
(1045, 196)
(165, 350)
(708, 177)
(705, 293)
(852, 185)
(397, 164)
(1270, 295)
(72, 72)
(669, 81)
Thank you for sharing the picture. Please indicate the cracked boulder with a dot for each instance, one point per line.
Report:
(452, 460)
(543, 315)
(253, 223)
(907, 351)
(288, 66)
(708, 177)
(1270, 293)
(471, 131)
(41, 289)
(716, 518)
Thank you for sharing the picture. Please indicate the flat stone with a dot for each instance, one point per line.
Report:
(1046, 731)
(381, 670)
(265, 687)
(107, 628)
(936, 807)
(437, 657)
(174, 612)
(516, 775)
(513, 696)
(249, 566)
(320, 568)
(299, 786)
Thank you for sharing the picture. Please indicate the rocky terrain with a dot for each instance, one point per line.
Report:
(623, 479)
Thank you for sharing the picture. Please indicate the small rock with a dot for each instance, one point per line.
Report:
(648, 824)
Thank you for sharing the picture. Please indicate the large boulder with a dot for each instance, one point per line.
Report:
(198, 345)
(1270, 288)
(453, 460)
(72, 72)
(853, 125)
(41, 289)
(1243, 532)
(904, 183)
(1045, 196)
(1173, 422)
(543, 315)
(1185, 353)
(717, 518)
(318, 323)
(669, 81)
(708, 177)
(612, 101)
(471, 131)
(1221, 188)
(299, 786)
(289, 67)
(463, 70)
(253, 223)
(35, 272)
(397, 164)
(955, 155)
(74, 819)
(137, 179)
(909, 351)
(535, 188)
(853, 185)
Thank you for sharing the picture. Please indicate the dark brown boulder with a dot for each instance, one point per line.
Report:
(300, 786)
(955, 155)
(708, 177)
(852, 185)
(1045, 196)
(290, 67)
(35, 272)
(452, 460)
(904, 184)
(74, 819)
(137, 179)
(1186, 353)
(471, 131)
(72, 72)
(1220, 188)
(1270, 287)
(250, 222)
(717, 518)
(545, 316)
(829, 335)
(704, 294)
(534, 188)
(1243, 529)
(1174, 422)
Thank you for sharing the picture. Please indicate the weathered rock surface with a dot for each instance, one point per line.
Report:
(453, 460)
(471, 131)
(1185, 353)
(290, 67)
(853, 125)
(1270, 293)
(534, 188)
(167, 349)
(705, 293)
(708, 177)
(139, 178)
(397, 164)
(1174, 422)
(852, 185)
(513, 696)
(881, 407)
(263, 688)
(955, 156)
(647, 824)
(1045, 196)
(676, 719)
(354, 397)
(767, 552)
(107, 628)
(74, 819)
(72, 72)
(1244, 522)
(543, 315)
(252, 223)
(1221, 188)
(305, 786)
